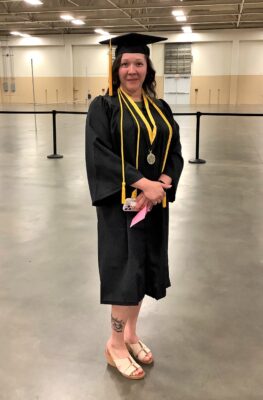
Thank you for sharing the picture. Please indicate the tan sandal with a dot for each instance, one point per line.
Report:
(126, 366)
(139, 350)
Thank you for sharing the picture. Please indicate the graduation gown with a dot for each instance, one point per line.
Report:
(133, 262)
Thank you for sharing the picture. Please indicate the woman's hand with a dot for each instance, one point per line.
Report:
(166, 179)
(154, 191)
(142, 201)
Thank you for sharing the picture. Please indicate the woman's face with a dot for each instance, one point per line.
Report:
(132, 73)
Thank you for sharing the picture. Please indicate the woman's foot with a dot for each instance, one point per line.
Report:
(121, 359)
(139, 350)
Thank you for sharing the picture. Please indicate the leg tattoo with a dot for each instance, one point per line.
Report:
(117, 324)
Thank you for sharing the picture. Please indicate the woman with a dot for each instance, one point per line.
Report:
(132, 151)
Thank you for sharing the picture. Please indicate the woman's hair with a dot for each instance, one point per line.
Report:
(149, 83)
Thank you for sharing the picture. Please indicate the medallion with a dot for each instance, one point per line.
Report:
(151, 158)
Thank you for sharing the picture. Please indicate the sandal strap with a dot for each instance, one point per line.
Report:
(126, 365)
(139, 348)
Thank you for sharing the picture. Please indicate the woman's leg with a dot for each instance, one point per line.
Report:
(116, 343)
(130, 333)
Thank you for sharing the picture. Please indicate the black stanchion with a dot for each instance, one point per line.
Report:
(198, 114)
(54, 155)
(197, 160)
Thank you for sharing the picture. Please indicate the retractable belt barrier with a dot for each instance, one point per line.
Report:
(198, 115)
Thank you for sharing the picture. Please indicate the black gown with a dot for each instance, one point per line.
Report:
(133, 262)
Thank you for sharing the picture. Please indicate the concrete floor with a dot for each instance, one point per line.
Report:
(206, 334)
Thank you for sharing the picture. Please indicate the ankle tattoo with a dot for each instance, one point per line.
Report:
(117, 324)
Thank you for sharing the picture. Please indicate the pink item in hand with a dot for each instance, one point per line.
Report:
(139, 216)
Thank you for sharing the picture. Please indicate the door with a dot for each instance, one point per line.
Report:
(177, 89)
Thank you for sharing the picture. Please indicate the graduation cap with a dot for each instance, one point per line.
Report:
(129, 43)
(132, 43)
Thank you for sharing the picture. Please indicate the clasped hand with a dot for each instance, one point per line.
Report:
(152, 194)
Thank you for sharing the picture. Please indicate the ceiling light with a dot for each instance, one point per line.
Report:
(187, 29)
(101, 32)
(77, 22)
(177, 13)
(67, 17)
(15, 33)
(181, 18)
(34, 2)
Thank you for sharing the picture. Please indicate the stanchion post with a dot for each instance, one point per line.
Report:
(197, 160)
(54, 155)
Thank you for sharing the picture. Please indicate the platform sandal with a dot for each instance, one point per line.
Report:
(126, 366)
(139, 350)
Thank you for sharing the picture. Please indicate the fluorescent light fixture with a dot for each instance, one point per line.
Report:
(187, 29)
(15, 33)
(34, 2)
(177, 13)
(67, 17)
(181, 18)
(77, 22)
(101, 32)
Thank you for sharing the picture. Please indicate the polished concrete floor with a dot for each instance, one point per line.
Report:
(206, 335)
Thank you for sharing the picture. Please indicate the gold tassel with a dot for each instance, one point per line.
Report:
(134, 194)
(164, 203)
(123, 192)
(110, 70)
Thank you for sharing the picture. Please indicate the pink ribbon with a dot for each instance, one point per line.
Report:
(139, 216)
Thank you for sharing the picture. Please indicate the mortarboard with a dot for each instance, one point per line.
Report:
(129, 43)
(132, 43)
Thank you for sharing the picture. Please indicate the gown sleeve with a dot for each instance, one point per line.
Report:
(175, 162)
(103, 164)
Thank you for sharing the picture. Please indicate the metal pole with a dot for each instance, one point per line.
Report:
(54, 155)
(197, 160)
(33, 83)
(34, 97)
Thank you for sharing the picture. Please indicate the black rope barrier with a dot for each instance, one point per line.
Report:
(54, 113)
(198, 115)
(25, 112)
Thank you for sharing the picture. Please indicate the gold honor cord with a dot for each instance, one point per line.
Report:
(134, 193)
(170, 130)
(164, 202)
(123, 185)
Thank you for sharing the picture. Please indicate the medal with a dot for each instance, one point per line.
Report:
(151, 158)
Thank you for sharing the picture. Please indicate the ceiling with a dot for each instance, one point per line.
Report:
(119, 16)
